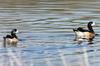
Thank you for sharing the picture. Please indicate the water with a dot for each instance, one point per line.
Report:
(46, 32)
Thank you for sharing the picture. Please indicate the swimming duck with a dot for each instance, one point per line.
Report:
(83, 33)
(11, 39)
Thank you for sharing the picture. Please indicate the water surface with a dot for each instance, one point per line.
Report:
(46, 32)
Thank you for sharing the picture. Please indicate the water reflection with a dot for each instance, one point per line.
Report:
(9, 45)
(81, 40)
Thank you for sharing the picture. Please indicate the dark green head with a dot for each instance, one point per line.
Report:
(91, 23)
(14, 31)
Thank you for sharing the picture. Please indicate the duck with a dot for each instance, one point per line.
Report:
(85, 34)
(11, 39)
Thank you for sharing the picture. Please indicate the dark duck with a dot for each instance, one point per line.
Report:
(11, 39)
(85, 34)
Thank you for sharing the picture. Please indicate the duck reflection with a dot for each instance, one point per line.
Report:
(80, 40)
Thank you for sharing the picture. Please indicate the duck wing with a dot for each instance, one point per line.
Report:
(8, 36)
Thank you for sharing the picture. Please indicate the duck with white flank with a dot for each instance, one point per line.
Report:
(11, 39)
(85, 34)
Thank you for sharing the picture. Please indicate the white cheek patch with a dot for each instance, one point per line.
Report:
(17, 31)
(93, 24)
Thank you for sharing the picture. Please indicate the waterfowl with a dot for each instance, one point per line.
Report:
(11, 39)
(83, 33)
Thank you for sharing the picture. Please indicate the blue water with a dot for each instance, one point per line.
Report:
(47, 38)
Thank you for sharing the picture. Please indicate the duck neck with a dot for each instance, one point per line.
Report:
(13, 35)
(90, 28)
